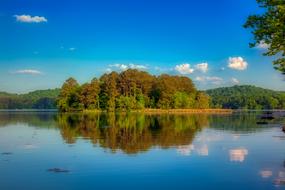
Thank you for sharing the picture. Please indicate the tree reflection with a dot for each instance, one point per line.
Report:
(135, 132)
(131, 133)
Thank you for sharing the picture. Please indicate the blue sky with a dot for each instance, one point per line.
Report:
(43, 42)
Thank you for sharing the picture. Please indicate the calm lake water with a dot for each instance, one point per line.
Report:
(136, 151)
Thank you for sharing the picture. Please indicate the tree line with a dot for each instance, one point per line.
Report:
(131, 90)
(39, 99)
(246, 97)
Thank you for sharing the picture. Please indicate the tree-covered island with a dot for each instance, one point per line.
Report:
(131, 90)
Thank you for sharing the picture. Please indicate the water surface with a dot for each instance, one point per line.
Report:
(137, 151)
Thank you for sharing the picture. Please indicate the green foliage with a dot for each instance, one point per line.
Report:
(131, 90)
(40, 99)
(246, 97)
(269, 28)
(70, 96)
(202, 100)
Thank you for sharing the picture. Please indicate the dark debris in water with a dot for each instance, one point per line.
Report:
(6, 153)
(58, 170)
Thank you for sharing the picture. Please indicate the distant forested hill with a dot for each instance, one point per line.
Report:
(39, 99)
(246, 97)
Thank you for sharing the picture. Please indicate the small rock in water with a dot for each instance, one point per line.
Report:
(7, 153)
(58, 170)
(283, 128)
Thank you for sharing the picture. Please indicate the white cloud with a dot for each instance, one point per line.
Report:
(263, 45)
(212, 80)
(234, 80)
(30, 19)
(124, 67)
(237, 63)
(28, 72)
(184, 68)
(203, 67)
(108, 70)
(238, 155)
(134, 66)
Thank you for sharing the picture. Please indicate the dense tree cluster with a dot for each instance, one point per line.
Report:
(131, 90)
(40, 99)
(246, 97)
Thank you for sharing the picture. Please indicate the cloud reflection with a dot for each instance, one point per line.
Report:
(186, 150)
(238, 155)
(265, 173)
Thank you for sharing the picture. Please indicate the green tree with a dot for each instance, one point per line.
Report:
(109, 91)
(202, 100)
(69, 97)
(90, 94)
(269, 30)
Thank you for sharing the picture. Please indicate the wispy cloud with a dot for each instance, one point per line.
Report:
(237, 63)
(30, 19)
(124, 67)
(184, 69)
(203, 67)
(210, 79)
(263, 45)
(234, 80)
(28, 72)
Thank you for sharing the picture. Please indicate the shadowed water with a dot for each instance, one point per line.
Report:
(140, 151)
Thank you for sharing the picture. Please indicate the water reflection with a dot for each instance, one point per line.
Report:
(238, 154)
(131, 133)
(265, 173)
(196, 145)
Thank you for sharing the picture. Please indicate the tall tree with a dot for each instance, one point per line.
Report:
(269, 30)
(69, 97)
(109, 91)
(90, 94)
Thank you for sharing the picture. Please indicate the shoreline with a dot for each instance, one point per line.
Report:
(167, 111)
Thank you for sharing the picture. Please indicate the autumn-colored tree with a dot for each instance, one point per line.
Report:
(109, 91)
(166, 86)
(131, 90)
(69, 97)
(90, 94)
(202, 100)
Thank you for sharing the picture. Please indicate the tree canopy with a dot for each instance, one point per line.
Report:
(131, 90)
(269, 30)
(39, 99)
(246, 97)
